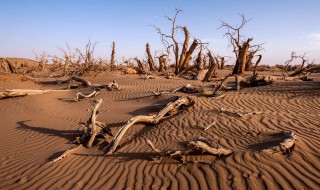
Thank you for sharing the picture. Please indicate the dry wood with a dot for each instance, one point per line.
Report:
(113, 86)
(195, 146)
(188, 88)
(171, 109)
(65, 154)
(223, 110)
(284, 146)
(10, 93)
(150, 59)
(94, 116)
(189, 53)
(212, 68)
(220, 85)
(213, 123)
(112, 62)
(81, 96)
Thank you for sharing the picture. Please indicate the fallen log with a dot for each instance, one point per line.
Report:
(188, 88)
(171, 109)
(197, 146)
(10, 93)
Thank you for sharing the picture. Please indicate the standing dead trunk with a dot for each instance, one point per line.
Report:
(222, 61)
(162, 63)
(256, 65)
(184, 47)
(112, 63)
(150, 59)
(141, 66)
(249, 61)
(243, 56)
(186, 61)
(212, 68)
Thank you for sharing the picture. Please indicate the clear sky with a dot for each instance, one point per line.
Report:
(45, 25)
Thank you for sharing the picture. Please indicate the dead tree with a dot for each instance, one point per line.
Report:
(42, 60)
(87, 56)
(302, 69)
(150, 59)
(182, 60)
(213, 62)
(141, 66)
(222, 62)
(112, 63)
(240, 47)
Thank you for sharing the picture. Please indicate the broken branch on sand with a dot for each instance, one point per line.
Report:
(65, 154)
(81, 96)
(188, 88)
(171, 109)
(199, 145)
(10, 93)
(224, 110)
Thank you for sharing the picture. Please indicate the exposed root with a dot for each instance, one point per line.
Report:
(113, 86)
(171, 109)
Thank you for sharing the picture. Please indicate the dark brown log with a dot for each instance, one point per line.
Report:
(243, 56)
(256, 65)
(112, 62)
(222, 62)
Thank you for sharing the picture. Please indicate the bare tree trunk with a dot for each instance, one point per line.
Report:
(243, 56)
(222, 63)
(162, 63)
(150, 59)
(249, 61)
(257, 63)
(140, 65)
(112, 64)
(186, 61)
(212, 68)
(184, 47)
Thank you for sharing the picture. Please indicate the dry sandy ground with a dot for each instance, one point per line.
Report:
(36, 129)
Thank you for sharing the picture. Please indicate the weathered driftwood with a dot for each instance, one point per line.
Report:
(94, 130)
(10, 93)
(65, 154)
(81, 96)
(171, 109)
(199, 145)
(285, 146)
(188, 88)
(223, 110)
(219, 87)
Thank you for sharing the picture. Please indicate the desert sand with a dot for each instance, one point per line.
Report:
(36, 129)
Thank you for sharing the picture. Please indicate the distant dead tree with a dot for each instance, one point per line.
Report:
(87, 56)
(68, 55)
(302, 69)
(182, 60)
(242, 49)
(42, 59)
(112, 62)
(213, 65)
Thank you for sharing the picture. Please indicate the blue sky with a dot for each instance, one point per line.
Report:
(45, 25)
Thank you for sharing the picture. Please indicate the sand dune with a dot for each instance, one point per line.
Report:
(38, 128)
